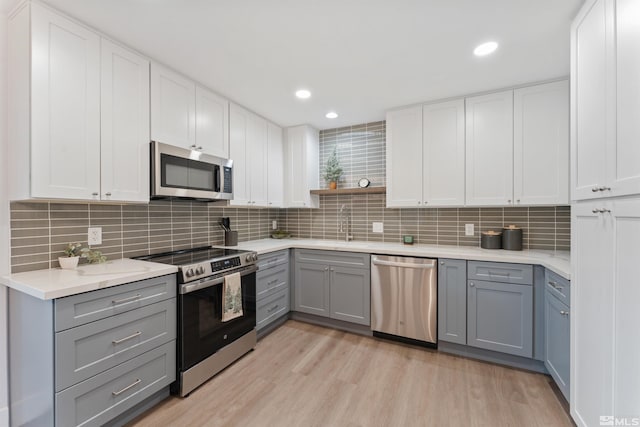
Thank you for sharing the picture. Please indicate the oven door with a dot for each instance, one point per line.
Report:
(202, 331)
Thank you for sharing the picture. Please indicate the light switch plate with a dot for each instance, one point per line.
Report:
(378, 227)
(469, 229)
(94, 236)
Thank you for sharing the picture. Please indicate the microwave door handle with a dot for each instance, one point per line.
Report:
(192, 287)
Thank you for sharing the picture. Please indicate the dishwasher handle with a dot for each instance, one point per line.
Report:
(378, 261)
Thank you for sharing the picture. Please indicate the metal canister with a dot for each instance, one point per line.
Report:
(491, 239)
(512, 238)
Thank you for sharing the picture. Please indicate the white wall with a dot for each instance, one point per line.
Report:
(4, 215)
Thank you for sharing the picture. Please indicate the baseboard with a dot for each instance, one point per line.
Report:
(493, 357)
(331, 323)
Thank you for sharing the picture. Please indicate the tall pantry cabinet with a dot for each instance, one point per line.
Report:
(605, 161)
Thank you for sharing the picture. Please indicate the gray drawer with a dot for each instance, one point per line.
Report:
(521, 274)
(107, 395)
(272, 259)
(87, 350)
(558, 286)
(272, 308)
(346, 259)
(271, 280)
(88, 307)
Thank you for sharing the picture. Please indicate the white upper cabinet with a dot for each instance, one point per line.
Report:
(65, 104)
(624, 165)
(124, 125)
(443, 167)
(173, 108)
(590, 124)
(541, 144)
(248, 150)
(212, 123)
(301, 168)
(404, 157)
(275, 166)
(489, 149)
(606, 100)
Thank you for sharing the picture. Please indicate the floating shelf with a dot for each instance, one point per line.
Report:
(368, 190)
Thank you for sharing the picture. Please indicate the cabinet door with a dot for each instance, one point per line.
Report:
(624, 173)
(541, 144)
(592, 312)
(443, 154)
(301, 167)
(590, 101)
(212, 123)
(350, 293)
(452, 301)
(404, 157)
(124, 125)
(257, 160)
(173, 105)
(500, 317)
(556, 321)
(65, 108)
(312, 289)
(626, 294)
(275, 166)
(238, 128)
(489, 149)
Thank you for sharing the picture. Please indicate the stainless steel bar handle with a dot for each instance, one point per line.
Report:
(272, 308)
(135, 383)
(121, 340)
(429, 264)
(564, 313)
(554, 285)
(123, 300)
(185, 289)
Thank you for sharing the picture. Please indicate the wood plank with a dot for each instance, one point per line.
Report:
(302, 374)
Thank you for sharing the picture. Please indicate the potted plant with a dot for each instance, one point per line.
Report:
(72, 256)
(333, 170)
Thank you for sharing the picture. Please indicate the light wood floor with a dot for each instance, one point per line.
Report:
(305, 375)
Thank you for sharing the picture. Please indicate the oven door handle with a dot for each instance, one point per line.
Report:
(192, 287)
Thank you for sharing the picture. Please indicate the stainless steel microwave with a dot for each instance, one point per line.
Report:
(190, 174)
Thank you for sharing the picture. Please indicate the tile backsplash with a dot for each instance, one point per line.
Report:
(41, 230)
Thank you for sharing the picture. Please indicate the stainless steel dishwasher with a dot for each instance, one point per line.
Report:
(404, 298)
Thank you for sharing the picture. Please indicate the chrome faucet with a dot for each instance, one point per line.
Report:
(344, 219)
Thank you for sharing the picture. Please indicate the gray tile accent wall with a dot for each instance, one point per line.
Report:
(360, 150)
(41, 230)
(543, 227)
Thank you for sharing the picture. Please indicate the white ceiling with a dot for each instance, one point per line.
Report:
(358, 57)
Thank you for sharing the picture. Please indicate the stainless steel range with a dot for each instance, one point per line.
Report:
(206, 343)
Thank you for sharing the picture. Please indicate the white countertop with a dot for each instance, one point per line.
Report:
(556, 261)
(57, 283)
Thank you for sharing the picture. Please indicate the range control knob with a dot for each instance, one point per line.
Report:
(250, 258)
(190, 272)
(200, 270)
(254, 257)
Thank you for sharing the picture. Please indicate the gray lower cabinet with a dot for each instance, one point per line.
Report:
(452, 301)
(500, 317)
(272, 288)
(87, 358)
(557, 343)
(333, 284)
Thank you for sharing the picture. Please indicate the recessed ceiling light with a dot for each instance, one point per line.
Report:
(485, 48)
(303, 94)
(331, 115)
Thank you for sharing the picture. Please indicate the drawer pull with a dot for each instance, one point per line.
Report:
(564, 313)
(272, 282)
(121, 340)
(135, 383)
(123, 300)
(273, 308)
(506, 276)
(555, 286)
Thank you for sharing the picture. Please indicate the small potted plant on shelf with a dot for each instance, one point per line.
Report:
(72, 256)
(333, 170)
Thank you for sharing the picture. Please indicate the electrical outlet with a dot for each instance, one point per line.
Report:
(469, 229)
(94, 236)
(378, 227)
(274, 225)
